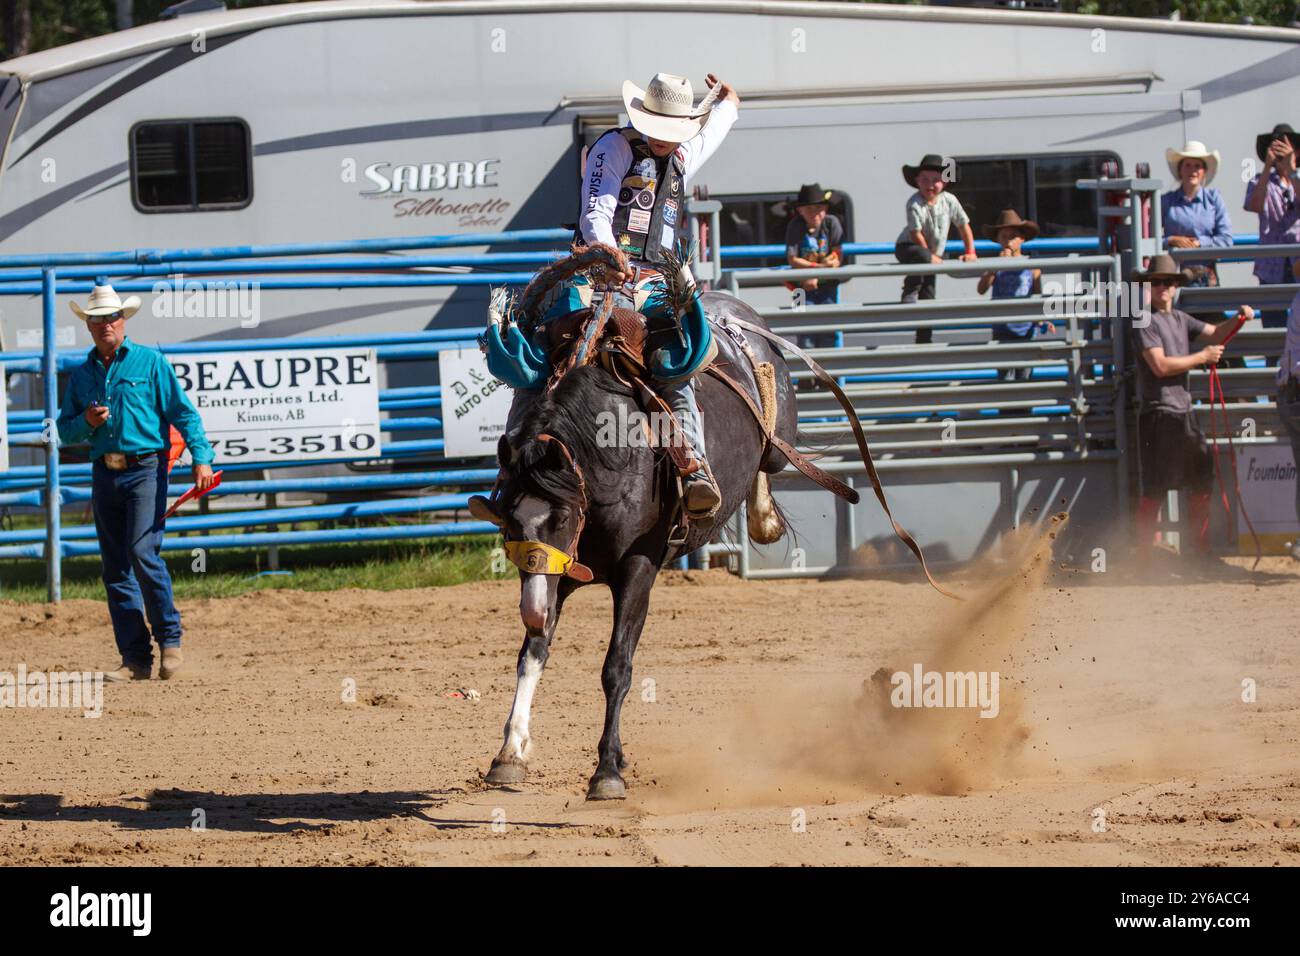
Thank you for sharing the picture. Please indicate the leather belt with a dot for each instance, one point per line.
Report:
(117, 461)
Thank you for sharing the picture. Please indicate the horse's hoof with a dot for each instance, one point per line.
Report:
(607, 788)
(506, 774)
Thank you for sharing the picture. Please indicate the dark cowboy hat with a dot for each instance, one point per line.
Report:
(812, 194)
(1163, 267)
(1010, 219)
(1280, 131)
(928, 161)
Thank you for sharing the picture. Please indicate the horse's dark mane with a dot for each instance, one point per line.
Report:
(569, 414)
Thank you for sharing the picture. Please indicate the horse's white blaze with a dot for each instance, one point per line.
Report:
(533, 601)
(517, 741)
(531, 513)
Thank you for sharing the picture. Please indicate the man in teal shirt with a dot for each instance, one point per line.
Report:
(122, 401)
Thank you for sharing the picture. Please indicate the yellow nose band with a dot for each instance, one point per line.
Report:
(535, 557)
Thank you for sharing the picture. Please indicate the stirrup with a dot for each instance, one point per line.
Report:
(681, 527)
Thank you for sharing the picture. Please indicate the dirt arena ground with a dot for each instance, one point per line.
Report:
(1122, 736)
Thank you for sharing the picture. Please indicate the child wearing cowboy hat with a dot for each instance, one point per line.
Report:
(1011, 232)
(813, 240)
(1172, 451)
(1195, 215)
(930, 212)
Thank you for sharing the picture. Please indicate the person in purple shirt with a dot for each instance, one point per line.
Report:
(1193, 214)
(1275, 204)
(1288, 397)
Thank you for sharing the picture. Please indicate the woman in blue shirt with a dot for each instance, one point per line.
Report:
(1194, 215)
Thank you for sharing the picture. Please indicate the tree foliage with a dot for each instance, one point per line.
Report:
(32, 25)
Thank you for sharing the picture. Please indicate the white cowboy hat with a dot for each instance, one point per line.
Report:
(1193, 150)
(104, 301)
(665, 109)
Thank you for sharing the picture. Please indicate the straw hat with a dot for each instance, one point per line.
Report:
(1010, 219)
(665, 109)
(104, 301)
(1193, 150)
(1163, 267)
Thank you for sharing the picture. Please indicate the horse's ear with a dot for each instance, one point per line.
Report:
(505, 454)
(552, 455)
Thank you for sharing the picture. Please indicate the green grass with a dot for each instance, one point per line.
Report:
(383, 566)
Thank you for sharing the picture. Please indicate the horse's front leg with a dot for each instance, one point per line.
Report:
(511, 764)
(631, 586)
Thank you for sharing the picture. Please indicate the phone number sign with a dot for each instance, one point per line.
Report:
(285, 405)
(474, 404)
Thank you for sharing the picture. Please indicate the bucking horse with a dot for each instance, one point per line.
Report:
(576, 507)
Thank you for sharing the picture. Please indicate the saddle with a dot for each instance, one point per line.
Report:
(620, 343)
(525, 352)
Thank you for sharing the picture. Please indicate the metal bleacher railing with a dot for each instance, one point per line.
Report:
(1072, 408)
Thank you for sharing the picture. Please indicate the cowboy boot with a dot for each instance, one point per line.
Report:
(700, 492)
(172, 659)
(127, 672)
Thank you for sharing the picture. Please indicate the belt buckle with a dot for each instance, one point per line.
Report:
(115, 460)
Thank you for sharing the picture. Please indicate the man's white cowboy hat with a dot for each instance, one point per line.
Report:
(666, 108)
(1193, 150)
(104, 301)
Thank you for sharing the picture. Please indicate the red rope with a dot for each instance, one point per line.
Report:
(1216, 389)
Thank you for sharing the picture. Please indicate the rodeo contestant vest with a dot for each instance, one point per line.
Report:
(651, 201)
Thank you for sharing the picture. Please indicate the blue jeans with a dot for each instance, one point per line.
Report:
(1288, 409)
(128, 508)
(1276, 319)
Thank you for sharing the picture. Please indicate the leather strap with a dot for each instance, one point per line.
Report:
(792, 455)
(679, 446)
(576, 570)
(825, 378)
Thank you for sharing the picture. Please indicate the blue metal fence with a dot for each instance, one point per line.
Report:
(296, 266)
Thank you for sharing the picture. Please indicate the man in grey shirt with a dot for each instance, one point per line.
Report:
(1172, 451)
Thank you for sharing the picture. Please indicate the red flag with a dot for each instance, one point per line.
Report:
(192, 494)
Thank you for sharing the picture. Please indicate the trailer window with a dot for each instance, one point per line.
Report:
(761, 219)
(1040, 188)
(191, 165)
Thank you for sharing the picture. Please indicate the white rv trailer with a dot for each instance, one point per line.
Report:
(375, 118)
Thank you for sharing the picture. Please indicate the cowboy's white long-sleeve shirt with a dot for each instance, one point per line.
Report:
(610, 158)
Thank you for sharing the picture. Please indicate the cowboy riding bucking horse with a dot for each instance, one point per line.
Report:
(618, 329)
(635, 185)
